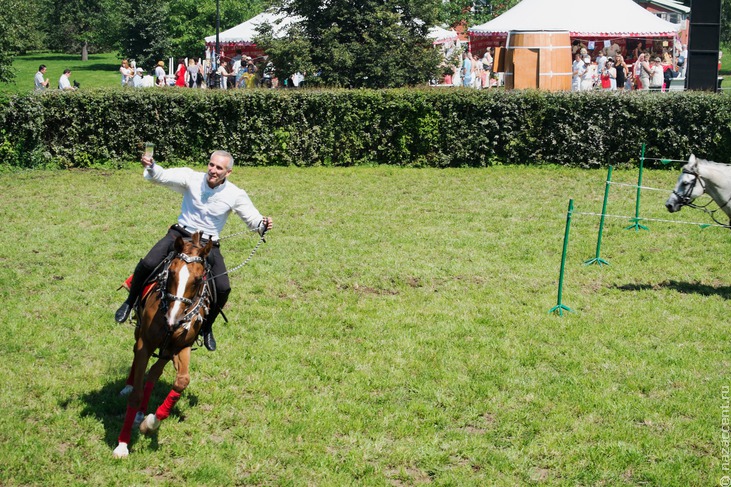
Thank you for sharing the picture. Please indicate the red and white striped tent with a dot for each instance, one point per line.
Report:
(615, 21)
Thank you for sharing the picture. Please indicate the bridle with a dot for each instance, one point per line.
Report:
(686, 200)
(194, 306)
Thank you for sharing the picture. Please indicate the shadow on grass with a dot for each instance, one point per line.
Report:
(95, 67)
(681, 287)
(108, 407)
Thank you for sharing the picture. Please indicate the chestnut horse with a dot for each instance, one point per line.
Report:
(169, 318)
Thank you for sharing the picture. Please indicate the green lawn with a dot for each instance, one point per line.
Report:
(101, 70)
(393, 331)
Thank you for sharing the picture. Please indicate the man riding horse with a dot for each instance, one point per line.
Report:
(208, 199)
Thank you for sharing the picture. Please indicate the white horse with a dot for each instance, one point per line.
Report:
(698, 177)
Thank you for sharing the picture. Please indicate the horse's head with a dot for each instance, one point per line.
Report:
(690, 186)
(186, 280)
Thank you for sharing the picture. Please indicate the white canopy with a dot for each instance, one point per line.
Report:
(589, 18)
(438, 35)
(245, 32)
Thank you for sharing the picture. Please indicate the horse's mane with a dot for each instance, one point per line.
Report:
(706, 161)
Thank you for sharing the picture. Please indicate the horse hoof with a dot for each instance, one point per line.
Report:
(121, 451)
(127, 389)
(139, 417)
(149, 425)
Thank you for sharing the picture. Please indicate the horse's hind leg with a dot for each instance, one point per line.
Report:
(182, 379)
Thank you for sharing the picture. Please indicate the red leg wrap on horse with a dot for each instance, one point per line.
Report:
(129, 418)
(164, 410)
(146, 396)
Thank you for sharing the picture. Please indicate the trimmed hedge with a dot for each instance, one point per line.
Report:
(414, 127)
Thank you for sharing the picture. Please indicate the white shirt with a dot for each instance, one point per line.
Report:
(64, 83)
(39, 81)
(160, 73)
(205, 209)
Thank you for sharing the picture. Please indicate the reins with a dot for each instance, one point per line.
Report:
(262, 239)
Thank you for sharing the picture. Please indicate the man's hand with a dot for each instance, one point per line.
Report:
(147, 161)
(265, 225)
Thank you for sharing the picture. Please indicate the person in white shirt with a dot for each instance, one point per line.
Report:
(63, 81)
(223, 75)
(208, 200)
(41, 83)
(683, 59)
(601, 60)
(126, 71)
(137, 78)
(160, 73)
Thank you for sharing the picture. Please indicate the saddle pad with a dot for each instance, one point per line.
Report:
(128, 282)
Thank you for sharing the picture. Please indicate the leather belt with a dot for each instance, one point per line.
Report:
(188, 232)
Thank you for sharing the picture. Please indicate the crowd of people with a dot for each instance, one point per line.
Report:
(608, 67)
(471, 71)
(604, 68)
(240, 72)
(609, 70)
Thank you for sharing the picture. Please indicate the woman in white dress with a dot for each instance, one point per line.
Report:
(126, 71)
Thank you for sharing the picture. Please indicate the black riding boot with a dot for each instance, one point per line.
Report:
(207, 329)
(142, 272)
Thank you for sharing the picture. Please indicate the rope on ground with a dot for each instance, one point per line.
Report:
(650, 219)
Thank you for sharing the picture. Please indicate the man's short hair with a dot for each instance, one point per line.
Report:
(226, 154)
(41, 67)
(66, 71)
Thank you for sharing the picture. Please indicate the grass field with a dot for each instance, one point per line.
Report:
(100, 71)
(393, 331)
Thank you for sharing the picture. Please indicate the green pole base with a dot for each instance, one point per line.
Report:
(558, 309)
(636, 226)
(596, 260)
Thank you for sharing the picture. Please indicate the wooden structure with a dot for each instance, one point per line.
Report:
(538, 60)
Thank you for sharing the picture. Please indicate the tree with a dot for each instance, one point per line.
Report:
(191, 21)
(469, 12)
(145, 33)
(725, 21)
(20, 32)
(82, 26)
(369, 43)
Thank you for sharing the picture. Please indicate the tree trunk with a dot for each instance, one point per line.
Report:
(85, 52)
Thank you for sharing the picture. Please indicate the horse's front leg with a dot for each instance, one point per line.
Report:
(181, 361)
(139, 365)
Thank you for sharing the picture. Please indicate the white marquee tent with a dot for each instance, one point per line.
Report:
(583, 19)
(439, 35)
(246, 31)
(241, 36)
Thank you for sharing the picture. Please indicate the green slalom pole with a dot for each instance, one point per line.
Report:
(636, 220)
(560, 307)
(597, 259)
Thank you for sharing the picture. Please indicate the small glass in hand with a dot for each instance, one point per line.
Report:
(149, 149)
